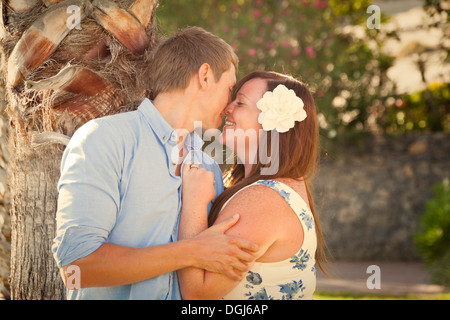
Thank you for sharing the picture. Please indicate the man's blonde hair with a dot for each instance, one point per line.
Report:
(178, 58)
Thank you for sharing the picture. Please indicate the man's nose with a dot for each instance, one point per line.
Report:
(228, 108)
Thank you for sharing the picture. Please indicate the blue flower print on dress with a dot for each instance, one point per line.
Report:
(307, 219)
(269, 183)
(260, 295)
(284, 194)
(254, 278)
(291, 289)
(300, 260)
(275, 186)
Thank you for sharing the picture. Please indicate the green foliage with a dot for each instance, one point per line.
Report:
(441, 9)
(412, 112)
(328, 45)
(433, 240)
(307, 39)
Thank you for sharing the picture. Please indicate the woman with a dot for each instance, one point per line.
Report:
(267, 187)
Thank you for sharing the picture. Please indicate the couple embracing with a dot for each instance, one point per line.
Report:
(144, 213)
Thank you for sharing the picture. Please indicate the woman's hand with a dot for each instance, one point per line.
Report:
(197, 185)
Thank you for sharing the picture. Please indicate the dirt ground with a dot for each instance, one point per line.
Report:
(394, 278)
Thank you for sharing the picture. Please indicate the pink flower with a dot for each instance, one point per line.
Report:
(257, 13)
(267, 20)
(321, 4)
(243, 31)
(311, 52)
(270, 45)
(251, 52)
(285, 43)
(295, 51)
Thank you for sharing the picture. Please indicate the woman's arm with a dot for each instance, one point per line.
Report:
(253, 206)
(197, 191)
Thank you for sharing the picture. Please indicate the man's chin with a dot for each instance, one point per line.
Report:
(211, 132)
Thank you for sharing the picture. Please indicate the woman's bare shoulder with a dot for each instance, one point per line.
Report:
(256, 197)
(265, 216)
(259, 210)
(257, 206)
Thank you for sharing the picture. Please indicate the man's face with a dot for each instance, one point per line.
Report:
(217, 99)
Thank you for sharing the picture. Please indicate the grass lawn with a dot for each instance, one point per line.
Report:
(323, 295)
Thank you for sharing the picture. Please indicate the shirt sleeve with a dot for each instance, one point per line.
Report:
(88, 191)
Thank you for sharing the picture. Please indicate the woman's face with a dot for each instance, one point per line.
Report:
(241, 130)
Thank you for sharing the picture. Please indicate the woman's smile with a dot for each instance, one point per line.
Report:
(229, 123)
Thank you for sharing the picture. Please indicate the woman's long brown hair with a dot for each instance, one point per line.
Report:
(296, 153)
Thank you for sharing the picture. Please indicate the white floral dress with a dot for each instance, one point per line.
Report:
(290, 279)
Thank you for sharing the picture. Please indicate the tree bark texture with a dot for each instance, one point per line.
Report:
(64, 63)
(33, 179)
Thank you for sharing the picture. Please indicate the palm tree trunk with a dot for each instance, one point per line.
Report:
(65, 63)
(5, 224)
(33, 179)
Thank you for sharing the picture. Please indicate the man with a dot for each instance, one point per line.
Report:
(120, 186)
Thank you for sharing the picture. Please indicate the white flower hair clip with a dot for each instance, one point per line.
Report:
(280, 109)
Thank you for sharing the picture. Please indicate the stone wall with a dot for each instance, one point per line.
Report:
(370, 204)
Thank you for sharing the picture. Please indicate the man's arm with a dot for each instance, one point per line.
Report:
(114, 265)
(88, 206)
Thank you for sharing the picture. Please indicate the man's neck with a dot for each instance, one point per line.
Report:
(176, 108)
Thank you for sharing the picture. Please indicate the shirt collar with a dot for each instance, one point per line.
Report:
(160, 126)
(163, 129)
(193, 142)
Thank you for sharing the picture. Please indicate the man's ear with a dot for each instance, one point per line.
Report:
(204, 74)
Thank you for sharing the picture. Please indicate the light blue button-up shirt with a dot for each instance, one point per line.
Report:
(118, 185)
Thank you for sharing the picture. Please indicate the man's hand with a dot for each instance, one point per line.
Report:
(229, 255)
